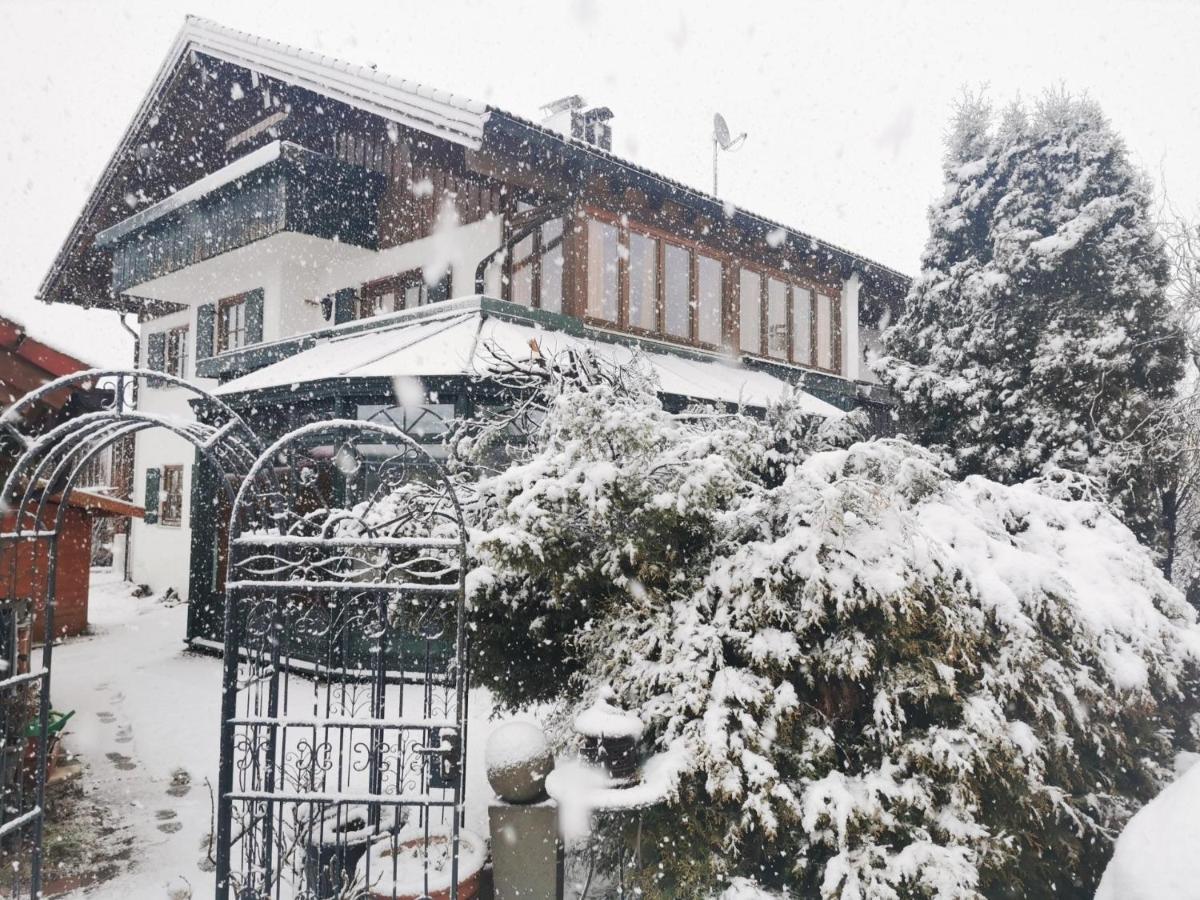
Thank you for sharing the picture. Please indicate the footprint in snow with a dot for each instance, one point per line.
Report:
(124, 734)
(121, 761)
(106, 717)
(170, 827)
(181, 783)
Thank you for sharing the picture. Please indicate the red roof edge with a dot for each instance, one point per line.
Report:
(42, 355)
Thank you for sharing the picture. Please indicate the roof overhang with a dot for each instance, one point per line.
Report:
(456, 119)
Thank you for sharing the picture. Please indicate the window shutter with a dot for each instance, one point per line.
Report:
(343, 306)
(254, 316)
(151, 501)
(440, 291)
(156, 351)
(156, 355)
(206, 320)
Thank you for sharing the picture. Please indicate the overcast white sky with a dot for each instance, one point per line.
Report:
(845, 102)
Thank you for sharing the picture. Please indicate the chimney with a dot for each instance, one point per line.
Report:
(571, 117)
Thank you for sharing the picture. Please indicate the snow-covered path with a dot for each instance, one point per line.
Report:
(146, 725)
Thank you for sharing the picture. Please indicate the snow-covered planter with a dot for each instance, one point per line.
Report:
(873, 679)
(335, 840)
(610, 737)
(413, 865)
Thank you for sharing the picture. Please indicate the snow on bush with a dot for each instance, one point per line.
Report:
(880, 681)
(1155, 857)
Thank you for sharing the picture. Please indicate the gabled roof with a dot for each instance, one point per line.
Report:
(454, 118)
(446, 115)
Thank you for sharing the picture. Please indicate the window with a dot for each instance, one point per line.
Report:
(535, 269)
(231, 323)
(172, 496)
(777, 319)
(413, 292)
(708, 299)
(520, 283)
(602, 250)
(649, 281)
(750, 304)
(643, 282)
(550, 281)
(824, 332)
(176, 352)
(378, 298)
(677, 291)
(802, 334)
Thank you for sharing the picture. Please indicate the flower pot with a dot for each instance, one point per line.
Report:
(617, 755)
(335, 840)
(395, 867)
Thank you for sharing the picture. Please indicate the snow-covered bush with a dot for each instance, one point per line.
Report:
(1038, 331)
(877, 680)
(1155, 856)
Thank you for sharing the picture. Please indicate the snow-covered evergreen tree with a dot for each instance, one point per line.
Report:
(864, 678)
(1038, 331)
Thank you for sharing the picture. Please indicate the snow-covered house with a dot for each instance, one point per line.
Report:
(297, 233)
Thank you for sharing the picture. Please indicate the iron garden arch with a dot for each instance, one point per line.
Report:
(36, 494)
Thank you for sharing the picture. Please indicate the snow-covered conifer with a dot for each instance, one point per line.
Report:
(1038, 330)
(860, 675)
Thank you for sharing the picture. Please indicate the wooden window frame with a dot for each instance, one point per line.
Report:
(793, 282)
(731, 298)
(536, 255)
(222, 336)
(171, 513)
(393, 284)
(177, 337)
(662, 237)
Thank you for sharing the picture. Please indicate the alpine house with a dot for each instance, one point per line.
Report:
(296, 234)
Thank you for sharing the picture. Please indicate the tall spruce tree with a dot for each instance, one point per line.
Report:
(1038, 331)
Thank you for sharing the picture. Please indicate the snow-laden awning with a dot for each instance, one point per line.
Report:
(470, 342)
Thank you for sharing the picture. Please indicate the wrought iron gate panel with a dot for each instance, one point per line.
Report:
(47, 467)
(345, 680)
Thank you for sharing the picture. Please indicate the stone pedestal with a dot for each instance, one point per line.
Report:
(526, 856)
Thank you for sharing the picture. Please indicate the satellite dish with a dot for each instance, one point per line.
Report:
(721, 131)
(722, 141)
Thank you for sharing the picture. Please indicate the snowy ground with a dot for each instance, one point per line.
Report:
(146, 726)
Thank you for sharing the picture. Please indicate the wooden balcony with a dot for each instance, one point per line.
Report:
(281, 187)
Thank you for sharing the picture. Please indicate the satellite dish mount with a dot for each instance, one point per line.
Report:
(722, 141)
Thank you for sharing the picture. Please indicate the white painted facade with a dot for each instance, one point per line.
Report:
(294, 271)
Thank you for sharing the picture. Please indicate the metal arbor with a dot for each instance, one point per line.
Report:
(35, 496)
(345, 684)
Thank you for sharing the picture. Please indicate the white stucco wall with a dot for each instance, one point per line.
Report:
(294, 272)
(159, 553)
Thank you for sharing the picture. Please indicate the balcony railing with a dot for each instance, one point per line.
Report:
(277, 188)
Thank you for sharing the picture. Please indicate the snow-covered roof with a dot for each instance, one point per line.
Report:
(467, 341)
(410, 103)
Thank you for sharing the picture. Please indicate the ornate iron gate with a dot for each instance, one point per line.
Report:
(47, 464)
(345, 684)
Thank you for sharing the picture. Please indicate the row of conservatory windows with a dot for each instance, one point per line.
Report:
(645, 283)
